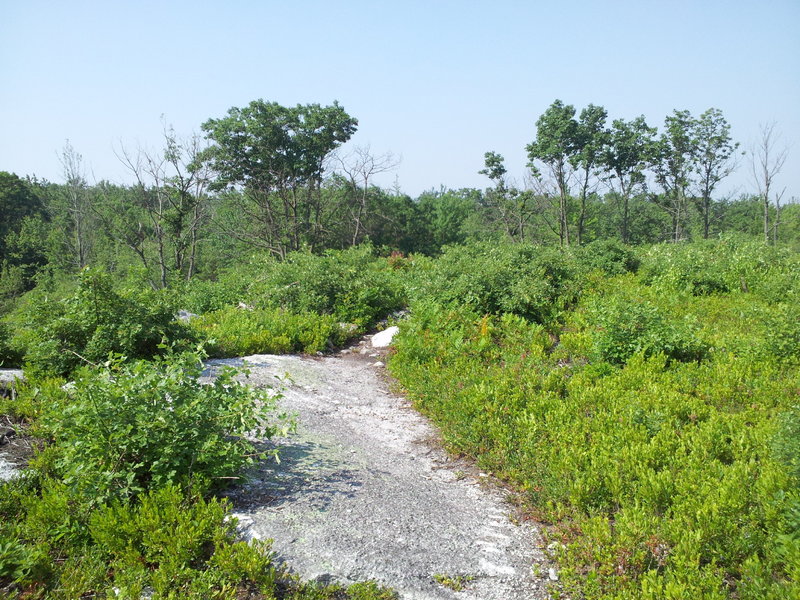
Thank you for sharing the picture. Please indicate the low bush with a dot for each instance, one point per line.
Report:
(126, 428)
(9, 357)
(201, 296)
(117, 505)
(58, 335)
(533, 282)
(239, 332)
(165, 544)
(720, 266)
(609, 256)
(655, 430)
(625, 327)
(782, 336)
(352, 286)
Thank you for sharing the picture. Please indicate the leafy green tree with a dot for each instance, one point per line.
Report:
(18, 200)
(674, 164)
(394, 221)
(554, 146)
(124, 221)
(447, 216)
(627, 154)
(276, 156)
(588, 147)
(715, 159)
(23, 235)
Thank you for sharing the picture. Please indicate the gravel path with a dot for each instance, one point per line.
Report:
(363, 491)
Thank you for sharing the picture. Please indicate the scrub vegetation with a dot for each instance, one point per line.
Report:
(617, 345)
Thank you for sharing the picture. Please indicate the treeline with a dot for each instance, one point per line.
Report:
(272, 178)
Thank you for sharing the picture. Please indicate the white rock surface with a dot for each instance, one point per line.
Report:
(384, 338)
(185, 316)
(7, 469)
(364, 491)
(8, 376)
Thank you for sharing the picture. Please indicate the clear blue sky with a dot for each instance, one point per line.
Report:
(438, 82)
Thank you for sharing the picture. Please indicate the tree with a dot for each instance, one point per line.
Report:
(359, 167)
(75, 202)
(556, 132)
(170, 191)
(766, 161)
(628, 152)
(505, 204)
(587, 153)
(446, 216)
(674, 164)
(714, 158)
(22, 235)
(18, 201)
(276, 156)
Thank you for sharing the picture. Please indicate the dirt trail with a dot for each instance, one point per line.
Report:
(363, 491)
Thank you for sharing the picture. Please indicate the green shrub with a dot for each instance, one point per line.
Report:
(533, 282)
(626, 327)
(128, 427)
(200, 297)
(782, 336)
(725, 265)
(173, 544)
(56, 336)
(353, 286)
(609, 256)
(9, 357)
(239, 332)
(177, 546)
(666, 476)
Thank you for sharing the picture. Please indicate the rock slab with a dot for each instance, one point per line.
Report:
(363, 491)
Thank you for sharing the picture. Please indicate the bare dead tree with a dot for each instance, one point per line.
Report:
(76, 195)
(545, 202)
(171, 189)
(766, 161)
(359, 167)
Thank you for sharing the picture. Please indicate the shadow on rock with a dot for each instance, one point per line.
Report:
(309, 473)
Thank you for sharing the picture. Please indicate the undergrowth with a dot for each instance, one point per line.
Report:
(119, 502)
(651, 418)
(645, 404)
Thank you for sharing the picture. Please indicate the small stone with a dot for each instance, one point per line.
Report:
(6, 433)
(185, 316)
(345, 351)
(552, 574)
(363, 351)
(377, 364)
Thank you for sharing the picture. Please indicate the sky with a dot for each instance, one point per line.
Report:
(437, 83)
